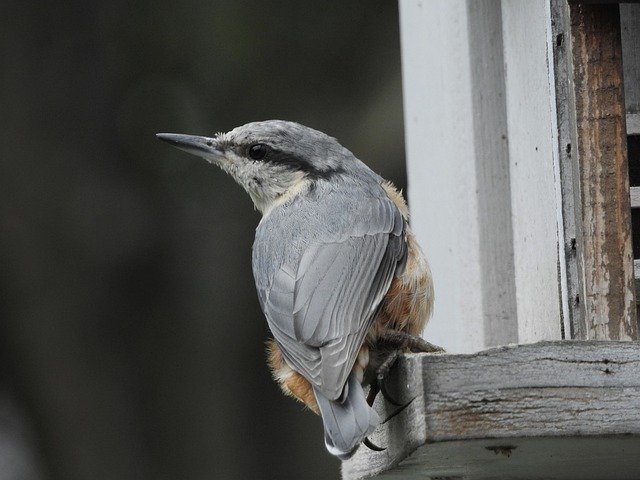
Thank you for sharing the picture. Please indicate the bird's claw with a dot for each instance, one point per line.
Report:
(404, 340)
(399, 410)
(382, 373)
(380, 386)
(372, 446)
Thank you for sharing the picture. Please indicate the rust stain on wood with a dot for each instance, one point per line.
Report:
(602, 149)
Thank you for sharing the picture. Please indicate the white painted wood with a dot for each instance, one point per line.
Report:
(636, 277)
(489, 215)
(630, 33)
(459, 190)
(633, 123)
(571, 393)
(635, 197)
(535, 204)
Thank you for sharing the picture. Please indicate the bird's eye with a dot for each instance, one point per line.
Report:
(258, 151)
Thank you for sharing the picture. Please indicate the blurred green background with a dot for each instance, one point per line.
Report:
(131, 340)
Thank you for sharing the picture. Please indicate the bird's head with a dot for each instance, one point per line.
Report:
(272, 160)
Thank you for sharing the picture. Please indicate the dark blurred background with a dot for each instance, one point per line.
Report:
(131, 340)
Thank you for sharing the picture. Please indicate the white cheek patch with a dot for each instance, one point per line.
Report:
(267, 184)
(232, 164)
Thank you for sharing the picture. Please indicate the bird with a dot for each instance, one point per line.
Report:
(340, 277)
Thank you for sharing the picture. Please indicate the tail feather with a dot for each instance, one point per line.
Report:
(348, 420)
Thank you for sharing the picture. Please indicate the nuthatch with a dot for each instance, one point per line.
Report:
(340, 277)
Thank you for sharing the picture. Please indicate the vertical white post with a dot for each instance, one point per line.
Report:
(458, 167)
(533, 165)
(483, 170)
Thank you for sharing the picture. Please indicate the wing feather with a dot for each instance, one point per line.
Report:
(321, 302)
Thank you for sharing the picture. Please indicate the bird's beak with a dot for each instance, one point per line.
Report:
(204, 147)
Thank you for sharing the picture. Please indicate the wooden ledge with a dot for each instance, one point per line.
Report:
(511, 412)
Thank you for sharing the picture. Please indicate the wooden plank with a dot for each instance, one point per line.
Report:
(533, 169)
(636, 276)
(459, 189)
(609, 293)
(569, 173)
(635, 197)
(551, 458)
(633, 123)
(499, 311)
(568, 391)
(630, 34)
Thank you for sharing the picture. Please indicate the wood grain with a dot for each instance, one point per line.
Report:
(630, 32)
(564, 390)
(533, 168)
(569, 172)
(609, 294)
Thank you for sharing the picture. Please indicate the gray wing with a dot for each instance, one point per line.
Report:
(321, 303)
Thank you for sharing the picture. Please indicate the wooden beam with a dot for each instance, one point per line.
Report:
(630, 32)
(633, 123)
(525, 458)
(636, 276)
(458, 167)
(635, 197)
(533, 168)
(567, 181)
(607, 259)
(539, 405)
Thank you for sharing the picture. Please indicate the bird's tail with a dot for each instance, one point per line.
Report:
(347, 420)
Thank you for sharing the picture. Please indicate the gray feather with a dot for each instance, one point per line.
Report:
(346, 423)
(321, 282)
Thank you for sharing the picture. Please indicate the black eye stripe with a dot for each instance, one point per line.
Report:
(274, 156)
(258, 151)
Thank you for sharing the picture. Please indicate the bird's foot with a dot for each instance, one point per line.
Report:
(397, 341)
(401, 340)
(381, 375)
(379, 384)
